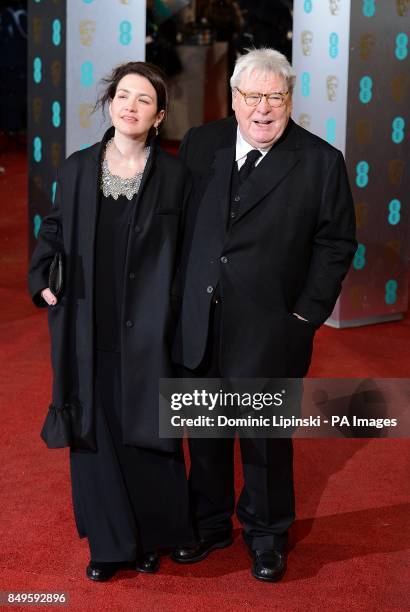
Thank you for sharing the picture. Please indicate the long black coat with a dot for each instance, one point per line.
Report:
(148, 319)
(287, 251)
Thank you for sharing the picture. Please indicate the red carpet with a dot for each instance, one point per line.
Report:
(349, 544)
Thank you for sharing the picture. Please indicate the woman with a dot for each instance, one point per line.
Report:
(116, 220)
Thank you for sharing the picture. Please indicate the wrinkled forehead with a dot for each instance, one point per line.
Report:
(262, 80)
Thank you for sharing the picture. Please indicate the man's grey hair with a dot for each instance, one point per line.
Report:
(264, 61)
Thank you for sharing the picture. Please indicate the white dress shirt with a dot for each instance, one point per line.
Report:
(243, 148)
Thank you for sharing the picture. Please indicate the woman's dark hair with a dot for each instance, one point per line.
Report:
(151, 72)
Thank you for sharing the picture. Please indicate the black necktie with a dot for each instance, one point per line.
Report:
(249, 164)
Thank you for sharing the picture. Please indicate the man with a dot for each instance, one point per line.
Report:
(269, 239)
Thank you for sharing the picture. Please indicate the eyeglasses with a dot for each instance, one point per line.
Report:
(274, 99)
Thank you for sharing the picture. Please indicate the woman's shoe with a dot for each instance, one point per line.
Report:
(148, 563)
(100, 572)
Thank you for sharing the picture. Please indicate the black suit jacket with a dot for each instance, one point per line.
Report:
(287, 251)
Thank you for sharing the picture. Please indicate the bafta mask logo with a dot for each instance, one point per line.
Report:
(363, 131)
(87, 31)
(395, 171)
(38, 181)
(37, 106)
(304, 120)
(56, 73)
(392, 253)
(361, 215)
(400, 87)
(84, 112)
(402, 6)
(334, 7)
(55, 154)
(37, 27)
(332, 83)
(306, 39)
(125, 1)
(356, 297)
(367, 42)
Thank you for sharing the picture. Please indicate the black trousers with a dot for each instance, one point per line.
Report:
(126, 500)
(266, 506)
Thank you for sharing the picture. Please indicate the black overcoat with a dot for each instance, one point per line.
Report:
(147, 318)
(287, 251)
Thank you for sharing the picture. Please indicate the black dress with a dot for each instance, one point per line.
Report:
(127, 500)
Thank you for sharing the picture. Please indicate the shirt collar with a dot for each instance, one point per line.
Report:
(243, 147)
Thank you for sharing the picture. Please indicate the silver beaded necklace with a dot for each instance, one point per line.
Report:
(113, 185)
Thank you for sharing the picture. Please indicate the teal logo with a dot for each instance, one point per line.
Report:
(87, 74)
(37, 70)
(56, 36)
(56, 110)
(398, 125)
(333, 45)
(305, 84)
(84, 146)
(37, 149)
(331, 130)
(362, 174)
(390, 296)
(394, 212)
(368, 8)
(36, 225)
(53, 191)
(401, 50)
(125, 33)
(365, 93)
(307, 6)
(359, 260)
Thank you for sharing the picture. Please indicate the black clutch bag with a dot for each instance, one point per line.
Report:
(56, 274)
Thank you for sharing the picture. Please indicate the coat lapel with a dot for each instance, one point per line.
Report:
(220, 186)
(278, 163)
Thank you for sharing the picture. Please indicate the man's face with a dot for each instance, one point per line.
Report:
(261, 126)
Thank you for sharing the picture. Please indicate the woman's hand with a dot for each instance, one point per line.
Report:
(49, 297)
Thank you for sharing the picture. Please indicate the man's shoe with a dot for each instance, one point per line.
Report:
(192, 554)
(268, 565)
(100, 572)
(148, 564)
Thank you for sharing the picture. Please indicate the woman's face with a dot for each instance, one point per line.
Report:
(133, 110)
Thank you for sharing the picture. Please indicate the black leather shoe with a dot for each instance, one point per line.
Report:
(186, 554)
(100, 572)
(148, 564)
(268, 565)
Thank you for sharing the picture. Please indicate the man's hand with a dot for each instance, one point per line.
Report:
(49, 297)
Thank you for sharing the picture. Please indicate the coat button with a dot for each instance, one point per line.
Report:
(132, 275)
(129, 324)
(224, 259)
(209, 289)
(137, 229)
(233, 215)
(237, 198)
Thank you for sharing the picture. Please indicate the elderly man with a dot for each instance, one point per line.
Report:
(269, 239)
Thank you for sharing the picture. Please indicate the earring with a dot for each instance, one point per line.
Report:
(156, 130)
